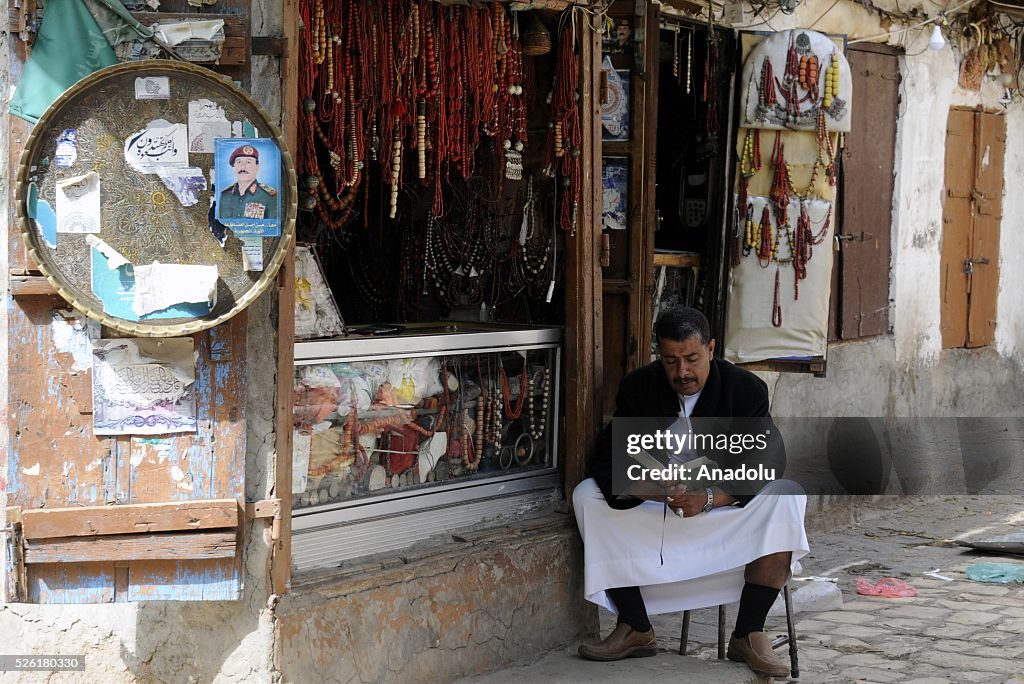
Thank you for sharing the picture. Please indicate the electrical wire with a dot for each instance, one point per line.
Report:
(831, 7)
(930, 20)
(763, 22)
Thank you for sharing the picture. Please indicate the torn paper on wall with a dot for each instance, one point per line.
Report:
(193, 41)
(160, 286)
(252, 254)
(114, 284)
(72, 333)
(316, 312)
(42, 213)
(152, 88)
(206, 122)
(186, 184)
(144, 386)
(160, 144)
(78, 204)
(175, 33)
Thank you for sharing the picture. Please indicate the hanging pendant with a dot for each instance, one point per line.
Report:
(513, 161)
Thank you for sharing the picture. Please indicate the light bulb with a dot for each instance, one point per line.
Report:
(937, 42)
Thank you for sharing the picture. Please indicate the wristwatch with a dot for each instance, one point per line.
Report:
(711, 500)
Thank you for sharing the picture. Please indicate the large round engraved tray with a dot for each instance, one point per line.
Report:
(140, 217)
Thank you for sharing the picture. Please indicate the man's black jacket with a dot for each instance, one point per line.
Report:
(730, 391)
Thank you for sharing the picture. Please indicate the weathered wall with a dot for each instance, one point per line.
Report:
(907, 373)
(501, 596)
(170, 641)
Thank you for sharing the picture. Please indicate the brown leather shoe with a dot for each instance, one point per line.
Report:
(755, 650)
(623, 642)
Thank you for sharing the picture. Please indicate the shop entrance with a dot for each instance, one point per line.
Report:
(692, 176)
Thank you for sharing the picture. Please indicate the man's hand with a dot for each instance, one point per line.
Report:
(692, 504)
(689, 504)
(669, 492)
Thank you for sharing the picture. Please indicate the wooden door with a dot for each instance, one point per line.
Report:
(627, 261)
(860, 287)
(972, 211)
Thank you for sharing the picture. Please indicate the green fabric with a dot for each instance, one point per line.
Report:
(117, 24)
(69, 47)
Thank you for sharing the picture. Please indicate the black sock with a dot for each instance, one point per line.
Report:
(755, 602)
(632, 610)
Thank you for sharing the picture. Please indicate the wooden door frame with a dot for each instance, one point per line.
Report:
(584, 371)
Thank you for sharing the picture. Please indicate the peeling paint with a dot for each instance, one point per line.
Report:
(161, 445)
(34, 470)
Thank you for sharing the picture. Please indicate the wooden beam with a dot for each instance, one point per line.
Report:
(281, 530)
(583, 351)
(166, 546)
(677, 260)
(95, 521)
(267, 508)
(271, 46)
(814, 365)
(31, 285)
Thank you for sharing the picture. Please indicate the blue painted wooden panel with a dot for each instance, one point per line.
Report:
(200, 580)
(71, 583)
(54, 459)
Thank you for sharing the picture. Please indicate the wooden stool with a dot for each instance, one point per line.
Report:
(789, 638)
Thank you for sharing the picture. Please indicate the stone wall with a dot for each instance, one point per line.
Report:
(492, 598)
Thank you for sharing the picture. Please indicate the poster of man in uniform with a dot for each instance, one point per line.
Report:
(248, 175)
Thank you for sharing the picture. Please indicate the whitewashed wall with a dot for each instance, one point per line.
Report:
(908, 372)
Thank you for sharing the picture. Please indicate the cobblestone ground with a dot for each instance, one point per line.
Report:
(952, 631)
(958, 631)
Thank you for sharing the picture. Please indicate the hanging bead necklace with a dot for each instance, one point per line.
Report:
(808, 71)
(782, 188)
(750, 164)
(711, 123)
(766, 93)
(514, 128)
(826, 152)
(766, 243)
(566, 115)
(776, 305)
(536, 426)
(514, 412)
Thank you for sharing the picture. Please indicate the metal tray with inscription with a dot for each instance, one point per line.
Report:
(141, 217)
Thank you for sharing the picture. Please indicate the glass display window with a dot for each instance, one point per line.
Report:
(386, 418)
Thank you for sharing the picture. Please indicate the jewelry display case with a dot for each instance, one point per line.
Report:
(397, 418)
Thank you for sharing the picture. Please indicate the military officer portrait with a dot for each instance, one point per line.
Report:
(248, 197)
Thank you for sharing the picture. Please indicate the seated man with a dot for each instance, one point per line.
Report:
(724, 547)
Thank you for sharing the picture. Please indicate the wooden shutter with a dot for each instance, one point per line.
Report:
(990, 147)
(860, 294)
(107, 519)
(113, 519)
(972, 211)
